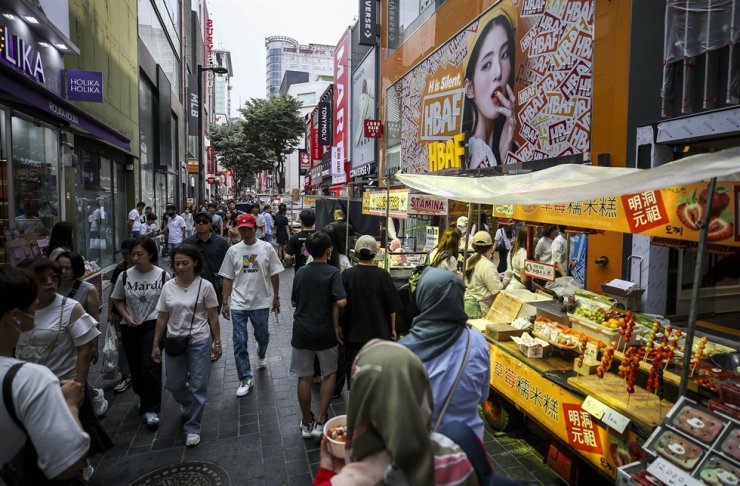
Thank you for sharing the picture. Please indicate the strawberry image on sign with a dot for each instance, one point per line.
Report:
(720, 200)
(720, 228)
(690, 212)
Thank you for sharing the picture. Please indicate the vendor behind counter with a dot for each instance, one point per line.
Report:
(482, 280)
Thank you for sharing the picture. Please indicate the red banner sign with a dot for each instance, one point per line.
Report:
(211, 160)
(373, 128)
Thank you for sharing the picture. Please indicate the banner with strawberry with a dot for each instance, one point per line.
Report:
(673, 212)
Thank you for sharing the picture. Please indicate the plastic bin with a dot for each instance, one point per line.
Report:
(596, 331)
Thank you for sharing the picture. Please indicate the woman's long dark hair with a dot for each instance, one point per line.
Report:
(473, 261)
(337, 243)
(61, 236)
(470, 111)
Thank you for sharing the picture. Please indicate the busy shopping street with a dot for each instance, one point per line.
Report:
(365, 242)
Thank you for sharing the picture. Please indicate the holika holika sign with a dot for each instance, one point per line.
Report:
(84, 86)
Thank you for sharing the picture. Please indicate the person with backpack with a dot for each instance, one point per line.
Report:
(390, 435)
(456, 357)
(135, 296)
(41, 411)
(502, 242)
(295, 250)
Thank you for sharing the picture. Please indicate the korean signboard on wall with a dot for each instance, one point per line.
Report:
(673, 212)
(516, 83)
(363, 108)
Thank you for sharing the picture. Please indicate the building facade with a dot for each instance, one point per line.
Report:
(68, 125)
(287, 54)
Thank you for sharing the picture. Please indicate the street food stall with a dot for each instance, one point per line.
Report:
(607, 383)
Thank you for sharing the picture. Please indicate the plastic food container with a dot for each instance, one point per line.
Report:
(597, 331)
(335, 447)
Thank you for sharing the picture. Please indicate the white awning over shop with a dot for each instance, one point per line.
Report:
(571, 182)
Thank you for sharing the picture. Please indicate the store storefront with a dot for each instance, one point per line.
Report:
(57, 163)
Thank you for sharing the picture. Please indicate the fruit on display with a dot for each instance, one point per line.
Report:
(583, 343)
(698, 354)
(594, 314)
(606, 360)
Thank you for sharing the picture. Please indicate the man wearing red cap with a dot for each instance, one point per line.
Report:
(251, 285)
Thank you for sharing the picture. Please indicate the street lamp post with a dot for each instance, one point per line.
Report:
(201, 70)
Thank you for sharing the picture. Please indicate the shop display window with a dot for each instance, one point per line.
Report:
(35, 160)
(147, 145)
(95, 217)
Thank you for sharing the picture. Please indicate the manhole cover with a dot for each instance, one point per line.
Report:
(187, 473)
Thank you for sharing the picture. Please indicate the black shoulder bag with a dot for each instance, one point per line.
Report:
(177, 345)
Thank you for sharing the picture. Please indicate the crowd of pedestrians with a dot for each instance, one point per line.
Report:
(224, 263)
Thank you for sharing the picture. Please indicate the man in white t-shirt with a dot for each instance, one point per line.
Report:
(259, 221)
(133, 216)
(251, 285)
(560, 257)
(175, 228)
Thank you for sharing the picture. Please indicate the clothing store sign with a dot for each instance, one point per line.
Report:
(368, 21)
(84, 86)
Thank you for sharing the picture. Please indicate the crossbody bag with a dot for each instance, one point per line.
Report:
(177, 345)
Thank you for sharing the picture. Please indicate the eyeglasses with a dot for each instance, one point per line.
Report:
(202, 221)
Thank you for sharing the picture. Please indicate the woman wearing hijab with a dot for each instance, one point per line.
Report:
(440, 337)
(388, 421)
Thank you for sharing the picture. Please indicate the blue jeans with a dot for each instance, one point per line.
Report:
(260, 319)
(187, 379)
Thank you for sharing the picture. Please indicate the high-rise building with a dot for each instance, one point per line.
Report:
(286, 54)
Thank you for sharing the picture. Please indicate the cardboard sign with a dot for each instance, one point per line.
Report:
(543, 271)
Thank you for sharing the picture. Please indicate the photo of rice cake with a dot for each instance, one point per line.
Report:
(698, 424)
(718, 472)
(678, 449)
(731, 444)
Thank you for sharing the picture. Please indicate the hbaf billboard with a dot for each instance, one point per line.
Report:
(513, 86)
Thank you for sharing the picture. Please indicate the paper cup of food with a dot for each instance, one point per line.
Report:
(335, 430)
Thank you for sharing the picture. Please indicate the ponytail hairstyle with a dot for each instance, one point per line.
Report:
(473, 260)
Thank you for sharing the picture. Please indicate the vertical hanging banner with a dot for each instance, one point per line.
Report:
(363, 109)
(368, 22)
(341, 108)
(304, 161)
(325, 123)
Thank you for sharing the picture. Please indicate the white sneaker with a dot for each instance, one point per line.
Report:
(244, 387)
(152, 419)
(261, 362)
(122, 385)
(306, 429)
(192, 440)
(99, 403)
(318, 430)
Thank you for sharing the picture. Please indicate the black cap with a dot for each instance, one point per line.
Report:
(204, 215)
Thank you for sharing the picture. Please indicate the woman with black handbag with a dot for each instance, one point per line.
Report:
(188, 312)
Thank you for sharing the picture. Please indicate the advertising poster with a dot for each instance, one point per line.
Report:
(374, 203)
(516, 83)
(341, 108)
(363, 108)
(673, 212)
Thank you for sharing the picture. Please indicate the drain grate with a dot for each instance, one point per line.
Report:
(187, 473)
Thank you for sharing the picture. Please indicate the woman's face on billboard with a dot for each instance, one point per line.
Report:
(492, 72)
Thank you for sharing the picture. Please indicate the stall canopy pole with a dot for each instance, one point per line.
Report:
(467, 235)
(693, 308)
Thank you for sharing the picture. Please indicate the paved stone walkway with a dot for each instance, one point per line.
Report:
(256, 438)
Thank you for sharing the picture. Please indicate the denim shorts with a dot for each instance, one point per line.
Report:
(301, 361)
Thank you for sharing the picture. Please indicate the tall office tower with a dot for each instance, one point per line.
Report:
(286, 54)
(222, 87)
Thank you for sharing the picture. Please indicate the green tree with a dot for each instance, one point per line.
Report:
(239, 152)
(276, 126)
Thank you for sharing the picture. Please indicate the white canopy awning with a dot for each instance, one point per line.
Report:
(571, 182)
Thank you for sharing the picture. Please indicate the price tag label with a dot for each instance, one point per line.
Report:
(615, 420)
(594, 407)
(670, 474)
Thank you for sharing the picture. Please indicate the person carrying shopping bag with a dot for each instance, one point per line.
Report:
(188, 314)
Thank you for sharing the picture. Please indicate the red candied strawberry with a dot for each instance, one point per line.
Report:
(720, 229)
(720, 200)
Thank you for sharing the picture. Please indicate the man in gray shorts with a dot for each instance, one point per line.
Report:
(317, 295)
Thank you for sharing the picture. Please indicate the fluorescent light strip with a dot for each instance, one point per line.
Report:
(30, 19)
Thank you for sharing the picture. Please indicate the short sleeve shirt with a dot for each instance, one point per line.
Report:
(250, 267)
(175, 226)
(54, 339)
(371, 299)
(141, 293)
(41, 408)
(296, 247)
(559, 253)
(316, 287)
(179, 303)
(134, 215)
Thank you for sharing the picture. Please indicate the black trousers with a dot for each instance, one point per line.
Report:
(351, 350)
(146, 375)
